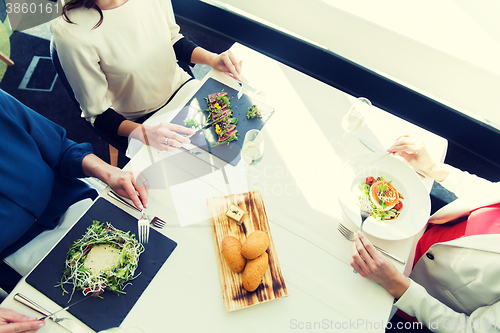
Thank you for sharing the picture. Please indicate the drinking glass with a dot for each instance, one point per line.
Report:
(253, 147)
(354, 119)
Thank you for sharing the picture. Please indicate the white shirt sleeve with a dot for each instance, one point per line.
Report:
(174, 27)
(461, 182)
(80, 63)
(416, 302)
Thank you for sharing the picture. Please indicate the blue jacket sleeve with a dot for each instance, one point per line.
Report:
(37, 158)
(60, 153)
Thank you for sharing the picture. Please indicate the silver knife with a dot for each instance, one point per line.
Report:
(63, 309)
(375, 149)
(67, 323)
(154, 220)
(205, 127)
(243, 81)
(370, 146)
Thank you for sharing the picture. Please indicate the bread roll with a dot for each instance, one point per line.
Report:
(231, 250)
(256, 244)
(254, 271)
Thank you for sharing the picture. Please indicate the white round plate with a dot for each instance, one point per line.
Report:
(416, 202)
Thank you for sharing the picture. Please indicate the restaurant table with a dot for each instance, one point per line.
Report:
(298, 177)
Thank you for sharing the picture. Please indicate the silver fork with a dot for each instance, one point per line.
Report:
(364, 210)
(347, 233)
(143, 227)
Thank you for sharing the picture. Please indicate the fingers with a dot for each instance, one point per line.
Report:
(12, 316)
(232, 64)
(143, 190)
(238, 64)
(31, 326)
(406, 145)
(357, 261)
(125, 184)
(22, 326)
(170, 138)
(175, 140)
(178, 128)
(368, 246)
(403, 136)
(365, 256)
(402, 144)
(360, 255)
(358, 268)
(130, 186)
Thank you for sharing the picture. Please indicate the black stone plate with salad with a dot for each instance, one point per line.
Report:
(217, 101)
(109, 308)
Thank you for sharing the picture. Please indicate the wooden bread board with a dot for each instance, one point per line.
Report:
(273, 285)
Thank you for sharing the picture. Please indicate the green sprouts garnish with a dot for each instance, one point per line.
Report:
(191, 123)
(114, 278)
(253, 112)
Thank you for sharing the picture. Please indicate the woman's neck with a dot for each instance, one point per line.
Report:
(110, 4)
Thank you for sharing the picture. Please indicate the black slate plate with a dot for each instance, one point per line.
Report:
(100, 314)
(207, 139)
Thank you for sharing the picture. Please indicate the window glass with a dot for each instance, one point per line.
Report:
(447, 50)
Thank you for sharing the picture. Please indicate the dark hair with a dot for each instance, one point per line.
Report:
(73, 4)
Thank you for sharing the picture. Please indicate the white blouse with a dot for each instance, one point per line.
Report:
(127, 63)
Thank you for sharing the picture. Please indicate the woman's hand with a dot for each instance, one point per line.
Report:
(13, 322)
(226, 62)
(413, 152)
(124, 183)
(166, 136)
(371, 264)
(418, 157)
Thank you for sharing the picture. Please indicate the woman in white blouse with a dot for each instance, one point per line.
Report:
(120, 58)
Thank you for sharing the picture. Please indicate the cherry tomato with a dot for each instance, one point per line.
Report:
(370, 180)
(399, 205)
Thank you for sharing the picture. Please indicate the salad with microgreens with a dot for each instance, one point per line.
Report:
(191, 123)
(253, 112)
(122, 247)
(219, 109)
(385, 201)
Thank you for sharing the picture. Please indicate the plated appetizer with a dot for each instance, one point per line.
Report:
(253, 112)
(219, 109)
(385, 200)
(103, 259)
